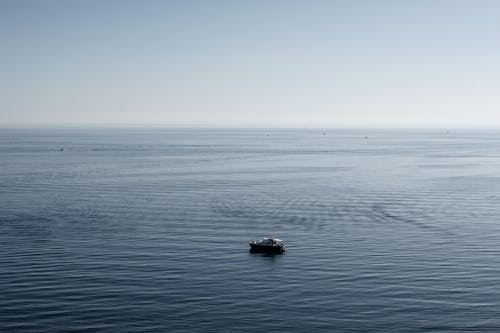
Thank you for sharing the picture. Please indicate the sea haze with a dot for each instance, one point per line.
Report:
(147, 230)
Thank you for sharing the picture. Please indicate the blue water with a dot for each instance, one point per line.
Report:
(147, 230)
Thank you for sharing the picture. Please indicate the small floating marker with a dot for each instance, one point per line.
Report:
(62, 149)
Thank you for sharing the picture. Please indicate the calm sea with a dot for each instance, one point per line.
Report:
(147, 230)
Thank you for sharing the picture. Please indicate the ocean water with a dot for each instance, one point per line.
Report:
(147, 230)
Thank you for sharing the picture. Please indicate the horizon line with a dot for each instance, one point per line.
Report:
(227, 127)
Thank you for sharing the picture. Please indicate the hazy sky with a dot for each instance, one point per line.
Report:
(250, 63)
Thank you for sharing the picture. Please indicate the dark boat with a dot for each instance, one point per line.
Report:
(268, 245)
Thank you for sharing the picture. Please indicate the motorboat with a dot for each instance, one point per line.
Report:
(268, 245)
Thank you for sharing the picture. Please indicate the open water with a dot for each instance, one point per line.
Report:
(147, 230)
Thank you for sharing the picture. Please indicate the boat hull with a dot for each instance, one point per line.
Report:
(258, 248)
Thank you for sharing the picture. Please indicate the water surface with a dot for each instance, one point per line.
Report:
(147, 230)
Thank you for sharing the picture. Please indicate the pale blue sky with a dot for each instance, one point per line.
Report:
(425, 63)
